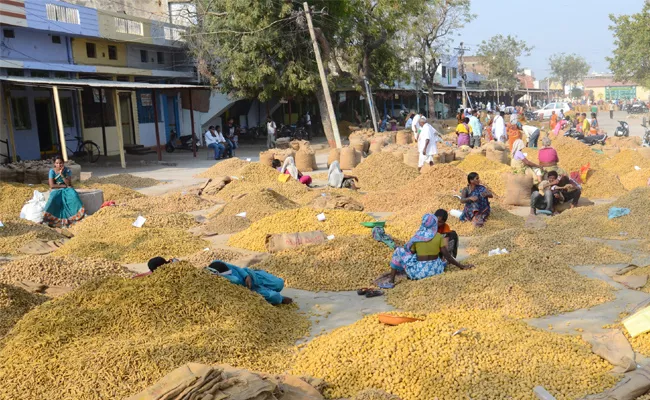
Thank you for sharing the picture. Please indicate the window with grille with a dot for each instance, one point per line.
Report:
(123, 25)
(175, 34)
(62, 14)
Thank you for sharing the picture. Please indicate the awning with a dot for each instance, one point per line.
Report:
(96, 83)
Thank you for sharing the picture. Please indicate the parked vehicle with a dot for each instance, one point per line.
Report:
(531, 115)
(638, 108)
(589, 140)
(86, 149)
(546, 112)
(623, 130)
(646, 136)
(179, 143)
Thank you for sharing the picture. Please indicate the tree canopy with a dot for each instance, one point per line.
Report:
(630, 60)
(428, 39)
(568, 68)
(500, 54)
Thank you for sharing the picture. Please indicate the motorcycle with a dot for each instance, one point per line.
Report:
(646, 136)
(179, 143)
(589, 140)
(623, 130)
(531, 115)
(638, 108)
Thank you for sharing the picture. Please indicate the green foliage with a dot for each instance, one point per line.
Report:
(500, 54)
(576, 93)
(631, 58)
(569, 68)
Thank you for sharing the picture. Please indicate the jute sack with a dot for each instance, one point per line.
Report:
(266, 157)
(610, 151)
(357, 143)
(305, 160)
(283, 241)
(348, 158)
(437, 159)
(644, 152)
(518, 189)
(499, 156)
(376, 145)
(334, 155)
(495, 146)
(412, 158)
(392, 137)
(449, 156)
(283, 154)
(403, 137)
(7, 174)
(478, 150)
(295, 145)
(460, 154)
(75, 170)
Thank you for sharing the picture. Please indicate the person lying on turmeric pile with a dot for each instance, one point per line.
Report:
(261, 282)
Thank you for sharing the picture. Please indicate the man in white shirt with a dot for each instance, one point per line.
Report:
(212, 142)
(427, 140)
(499, 128)
(270, 132)
(415, 126)
(489, 106)
(222, 141)
(532, 135)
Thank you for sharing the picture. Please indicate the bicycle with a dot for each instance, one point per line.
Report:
(85, 149)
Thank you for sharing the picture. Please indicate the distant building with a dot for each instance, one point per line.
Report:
(604, 87)
(474, 64)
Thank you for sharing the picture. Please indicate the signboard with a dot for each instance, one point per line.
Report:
(145, 99)
(620, 92)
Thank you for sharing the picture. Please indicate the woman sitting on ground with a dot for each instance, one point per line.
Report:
(451, 237)
(521, 164)
(337, 179)
(289, 168)
(64, 207)
(421, 257)
(475, 197)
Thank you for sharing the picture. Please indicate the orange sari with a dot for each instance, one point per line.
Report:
(553, 121)
(513, 134)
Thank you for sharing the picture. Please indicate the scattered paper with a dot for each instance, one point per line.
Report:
(330, 237)
(636, 167)
(1, 224)
(525, 154)
(242, 214)
(248, 159)
(321, 217)
(139, 221)
(497, 252)
(456, 213)
(457, 196)
(206, 249)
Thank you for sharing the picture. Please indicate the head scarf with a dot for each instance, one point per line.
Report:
(290, 166)
(335, 175)
(427, 231)
(518, 145)
(546, 142)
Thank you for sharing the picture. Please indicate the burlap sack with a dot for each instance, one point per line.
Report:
(295, 145)
(267, 157)
(376, 144)
(336, 202)
(348, 158)
(7, 174)
(478, 151)
(305, 161)
(359, 144)
(460, 154)
(449, 156)
(334, 155)
(499, 156)
(518, 189)
(74, 168)
(614, 348)
(412, 158)
(391, 137)
(611, 151)
(283, 154)
(492, 145)
(438, 159)
(403, 137)
(283, 241)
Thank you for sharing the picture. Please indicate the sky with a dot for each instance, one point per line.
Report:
(551, 26)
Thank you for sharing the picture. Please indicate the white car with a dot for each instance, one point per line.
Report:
(550, 107)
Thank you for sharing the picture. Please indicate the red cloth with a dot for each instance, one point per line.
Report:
(444, 228)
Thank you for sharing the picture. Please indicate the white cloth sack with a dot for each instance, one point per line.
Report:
(34, 208)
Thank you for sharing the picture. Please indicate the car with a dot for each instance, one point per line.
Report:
(550, 107)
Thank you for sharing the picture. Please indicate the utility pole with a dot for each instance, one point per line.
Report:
(371, 103)
(323, 78)
(548, 90)
(461, 69)
(498, 102)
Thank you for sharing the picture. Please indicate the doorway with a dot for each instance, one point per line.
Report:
(44, 123)
(171, 115)
(126, 113)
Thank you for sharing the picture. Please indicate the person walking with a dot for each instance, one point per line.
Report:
(611, 110)
(477, 130)
(271, 128)
(427, 139)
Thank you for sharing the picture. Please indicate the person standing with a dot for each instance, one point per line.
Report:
(499, 128)
(477, 130)
(415, 126)
(532, 135)
(489, 106)
(212, 142)
(409, 122)
(427, 140)
(308, 125)
(271, 128)
(594, 108)
(611, 110)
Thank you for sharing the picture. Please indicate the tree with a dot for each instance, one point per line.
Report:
(631, 59)
(263, 49)
(430, 39)
(500, 55)
(569, 68)
(577, 93)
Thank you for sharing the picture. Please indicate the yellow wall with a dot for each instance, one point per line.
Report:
(642, 93)
(80, 56)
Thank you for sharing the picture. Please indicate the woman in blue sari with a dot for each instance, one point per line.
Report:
(64, 207)
(476, 199)
(424, 255)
